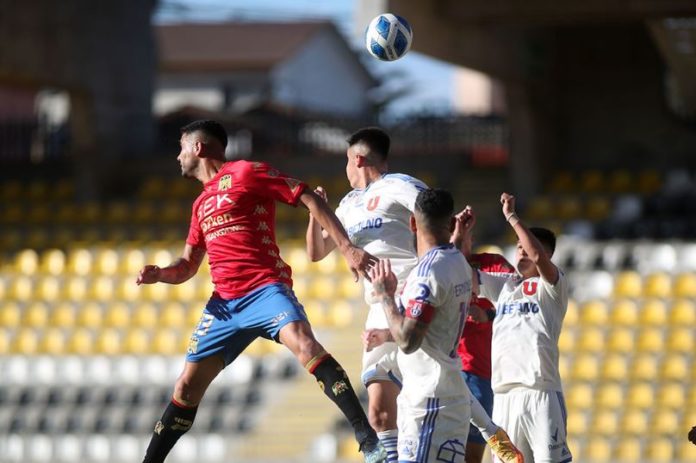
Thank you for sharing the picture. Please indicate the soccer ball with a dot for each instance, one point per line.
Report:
(388, 37)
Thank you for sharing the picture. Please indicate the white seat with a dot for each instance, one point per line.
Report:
(70, 370)
(12, 448)
(240, 372)
(43, 370)
(97, 448)
(155, 370)
(68, 448)
(185, 450)
(127, 370)
(39, 448)
(16, 370)
(614, 255)
(126, 448)
(212, 448)
(98, 370)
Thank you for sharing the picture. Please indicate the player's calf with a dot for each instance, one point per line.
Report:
(175, 422)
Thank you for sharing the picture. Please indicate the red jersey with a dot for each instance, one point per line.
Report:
(475, 345)
(234, 220)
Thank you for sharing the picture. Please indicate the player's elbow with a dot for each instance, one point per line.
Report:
(409, 345)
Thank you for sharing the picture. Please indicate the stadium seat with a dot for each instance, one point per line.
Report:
(25, 342)
(681, 340)
(566, 340)
(27, 262)
(165, 342)
(36, 315)
(614, 367)
(136, 341)
(651, 340)
(577, 422)
(316, 312)
(640, 395)
(76, 288)
(604, 423)
(102, 288)
(322, 287)
(653, 313)
(644, 367)
(349, 289)
(580, 396)
(628, 450)
(628, 284)
(186, 291)
(10, 314)
(172, 315)
(686, 450)
(660, 449)
(52, 262)
(687, 258)
(621, 340)
(568, 208)
(682, 313)
(671, 396)
(597, 450)
(145, 315)
(21, 288)
(597, 208)
(591, 339)
(53, 342)
(610, 396)
(685, 285)
(109, 342)
(594, 313)
(665, 422)
(657, 285)
(624, 312)
(572, 315)
(674, 367)
(90, 315)
(81, 341)
(592, 181)
(118, 315)
(340, 313)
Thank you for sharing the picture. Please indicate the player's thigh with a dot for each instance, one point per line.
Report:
(431, 430)
(480, 388)
(379, 364)
(511, 414)
(298, 337)
(547, 428)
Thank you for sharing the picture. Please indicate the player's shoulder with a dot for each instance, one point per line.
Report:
(491, 263)
(403, 179)
(349, 197)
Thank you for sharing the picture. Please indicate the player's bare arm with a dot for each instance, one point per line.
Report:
(359, 260)
(463, 236)
(531, 246)
(177, 272)
(319, 243)
(375, 337)
(407, 333)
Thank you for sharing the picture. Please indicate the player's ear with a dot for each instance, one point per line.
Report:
(412, 223)
(360, 160)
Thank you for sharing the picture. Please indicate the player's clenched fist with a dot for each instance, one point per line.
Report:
(692, 435)
(148, 275)
(508, 202)
(321, 192)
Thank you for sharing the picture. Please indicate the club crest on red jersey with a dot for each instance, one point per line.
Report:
(293, 184)
(225, 182)
(372, 203)
(529, 287)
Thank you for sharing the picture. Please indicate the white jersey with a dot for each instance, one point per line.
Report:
(437, 291)
(377, 220)
(527, 325)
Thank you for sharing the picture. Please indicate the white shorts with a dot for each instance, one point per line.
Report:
(536, 423)
(380, 365)
(433, 430)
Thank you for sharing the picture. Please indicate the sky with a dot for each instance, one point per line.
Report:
(429, 81)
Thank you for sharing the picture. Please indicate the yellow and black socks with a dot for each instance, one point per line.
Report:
(176, 420)
(334, 381)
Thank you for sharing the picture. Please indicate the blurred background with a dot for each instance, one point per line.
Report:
(585, 110)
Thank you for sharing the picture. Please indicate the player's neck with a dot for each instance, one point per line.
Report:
(370, 175)
(425, 243)
(208, 169)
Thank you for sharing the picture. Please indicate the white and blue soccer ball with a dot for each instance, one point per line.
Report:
(388, 37)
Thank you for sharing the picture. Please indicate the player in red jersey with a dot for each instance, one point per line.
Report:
(233, 220)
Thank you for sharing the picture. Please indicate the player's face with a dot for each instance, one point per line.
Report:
(524, 264)
(187, 156)
(351, 166)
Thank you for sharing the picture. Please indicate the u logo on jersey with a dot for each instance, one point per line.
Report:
(372, 203)
(529, 287)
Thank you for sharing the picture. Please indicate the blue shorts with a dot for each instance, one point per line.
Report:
(481, 389)
(228, 326)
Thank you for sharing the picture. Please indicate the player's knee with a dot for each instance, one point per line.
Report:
(187, 393)
(380, 418)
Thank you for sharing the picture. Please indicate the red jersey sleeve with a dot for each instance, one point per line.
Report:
(195, 235)
(491, 263)
(266, 181)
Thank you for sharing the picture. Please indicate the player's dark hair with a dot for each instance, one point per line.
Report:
(210, 128)
(435, 207)
(375, 138)
(545, 236)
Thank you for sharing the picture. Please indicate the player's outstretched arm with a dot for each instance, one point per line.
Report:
(408, 333)
(319, 243)
(531, 245)
(358, 260)
(463, 236)
(177, 272)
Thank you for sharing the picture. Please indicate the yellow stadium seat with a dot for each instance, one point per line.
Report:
(81, 341)
(660, 450)
(563, 367)
(75, 289)
(653, 312)
(685, 285)
(569, 208)
(127, 290)
(10, 314)
(102, 288)
(106, 262)
(580, 396)
(686, 450)
(674, 367)
(298, 260)
(562, 182)
(131, 262)
(63, 315)
(594, 313)
(634, 423)
(27, 262)
(624, 313)
(598, 208)
(158, 292)
(644, 367)
(316, 312)
(649, 181)
(185, 291)
(340, 314)
(350, 289)
(610, 396)
(80, 261)
(577, 422)
(657, 285)
(118, 212)
(53, 342)
(592, 181)
(590, 340)
(621, 340)
(585, 367)
(53, 262)
(640, 395)
(621, 181)
(566, 341)
(651, 340)
(21, 288)
(165, 342)
(118, 315)
(25, 342)
(172, 315)
(36, 315)
(136, 341)
(628, 284)
(108, 342)
(5, 341)
(614, 367)
(598, 450)
(681, 340)
(322, 287)
(604, 422)
(48, 288)
(682, 313)
(145, 315)
(671, 396)
(329, 264)
(572, 316)
(539, 208)
(665, 422)
(90, 315)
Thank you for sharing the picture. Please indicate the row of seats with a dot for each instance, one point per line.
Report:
(619, 448)
(621, 367)
(632, 313)
(631, 284)
(598, 181)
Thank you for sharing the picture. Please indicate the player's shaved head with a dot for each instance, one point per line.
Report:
(434, 209)
(211, 134)
(371, 142)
